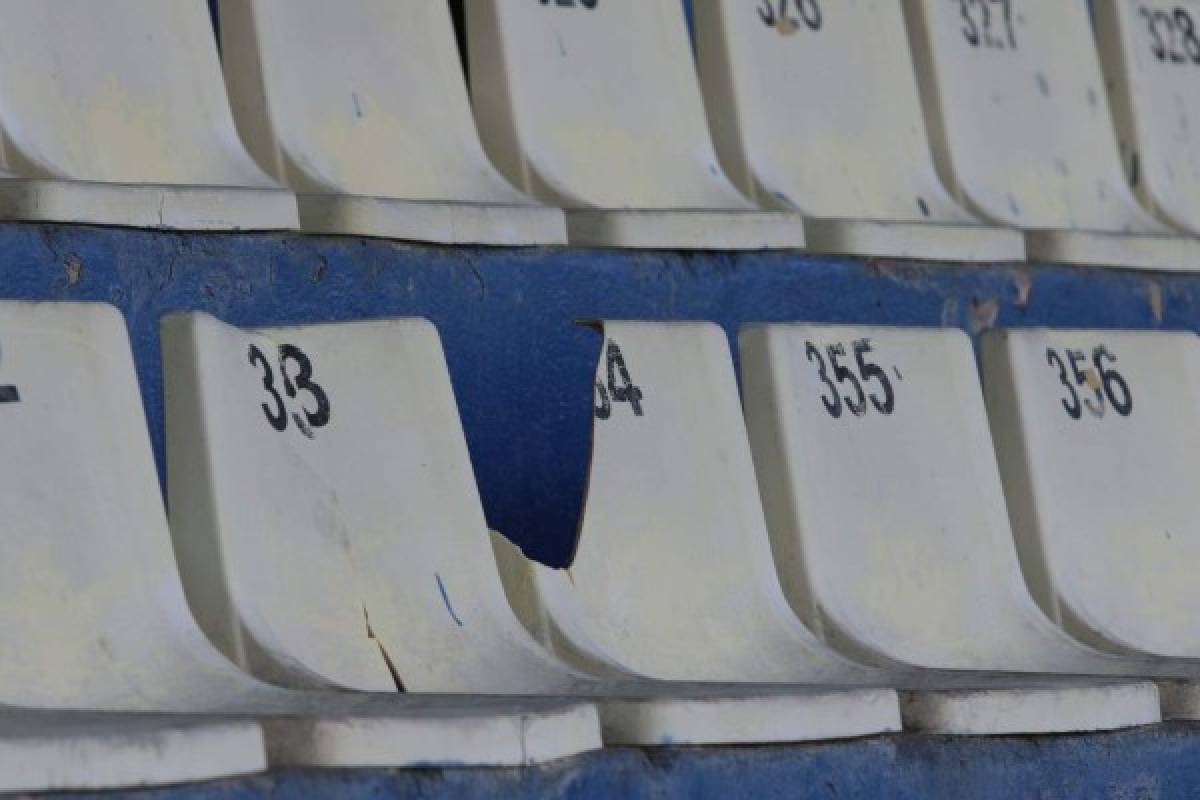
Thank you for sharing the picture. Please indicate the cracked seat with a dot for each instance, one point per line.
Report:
(115, 113)
(361, 107)
(93, 604)
(861, 171)
(1023, 134)
(620, 143)
(673, 576)
(356, 489)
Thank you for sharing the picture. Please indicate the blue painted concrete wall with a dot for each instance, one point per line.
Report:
(521, 367)
(1161, 763)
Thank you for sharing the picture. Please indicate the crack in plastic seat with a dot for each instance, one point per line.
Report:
(94, 607)
(377, 514)
(673, 574)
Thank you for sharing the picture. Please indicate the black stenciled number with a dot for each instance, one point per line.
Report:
(1187, 28)
(1112, 380)
(1073, 408)
(1109, 386)
(857, 406)
(970, 29)
(1174, 37)
(883, 401)
(1168, 21)
(9, 394)
(1095, 407)
(772, 14)
(1157, 46)
(588, 4)
(303, 382)
(624, 392)
(869, 372)
(603, 409)
(832, 402)
(978, 28)
(278, 420)
(1008, 23)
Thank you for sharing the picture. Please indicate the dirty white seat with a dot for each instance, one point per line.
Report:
(1098, 437)
(1151, 63)
(595, 108)
(360, 106)
(816, 110)
(93, 605)
(337, 534)
(1022, 132)
(116, 113)
(672, 575)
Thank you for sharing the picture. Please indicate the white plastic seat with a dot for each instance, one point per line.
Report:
(595, 108)
(115, 113)
(92, 605)
(1098, 438)
(1151, 55)
(360, 106)
(1023, 135)
(357, 490)
(673, 575)
(860, 169)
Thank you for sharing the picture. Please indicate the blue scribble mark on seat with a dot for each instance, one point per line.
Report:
(446, 600)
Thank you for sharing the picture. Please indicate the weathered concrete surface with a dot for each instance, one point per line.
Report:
(1161, 763)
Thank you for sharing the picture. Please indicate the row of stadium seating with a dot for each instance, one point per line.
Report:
(833, 560)
(1020, 129)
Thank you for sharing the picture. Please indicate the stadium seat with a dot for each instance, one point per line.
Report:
(1098, 439)
(595, 108)
(877, 473)
(803, 122)
(93, 609)
(1151, 59)
(335, 453)
(115, 113)
(673, 576)
(360, 106)
(1023, 135)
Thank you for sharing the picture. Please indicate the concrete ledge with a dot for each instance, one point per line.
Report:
(1156, 763)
